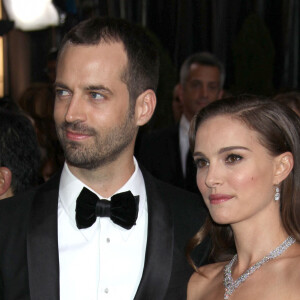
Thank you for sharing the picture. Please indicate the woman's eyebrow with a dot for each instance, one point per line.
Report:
(222, 150)
(226, 149)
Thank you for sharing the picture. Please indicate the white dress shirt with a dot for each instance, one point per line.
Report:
(104, 261)
(184, 126)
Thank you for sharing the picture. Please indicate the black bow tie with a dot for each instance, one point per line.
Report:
(122, 209)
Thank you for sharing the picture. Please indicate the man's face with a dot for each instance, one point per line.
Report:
(94, 122)
(201, 88)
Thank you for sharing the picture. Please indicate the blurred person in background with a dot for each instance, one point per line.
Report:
(38, 102)
(165, 153)
(19, 154)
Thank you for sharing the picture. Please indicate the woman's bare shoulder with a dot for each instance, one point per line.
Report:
(204, 277)
(208, 272)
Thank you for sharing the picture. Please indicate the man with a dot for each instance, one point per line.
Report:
(19, 153)
(165, 153)
(176, 104)
(50, 248)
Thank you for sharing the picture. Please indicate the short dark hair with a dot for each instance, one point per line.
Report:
(203, 59)
(19, 150)
(143, 60)
(278, 129)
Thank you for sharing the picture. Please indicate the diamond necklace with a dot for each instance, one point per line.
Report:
(231, 286)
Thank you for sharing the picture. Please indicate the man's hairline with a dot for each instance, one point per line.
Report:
(69, 43)
(123, 71)
(221, 84)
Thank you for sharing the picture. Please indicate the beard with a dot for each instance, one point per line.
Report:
(102, 148)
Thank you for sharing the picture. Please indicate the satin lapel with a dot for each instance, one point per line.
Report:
(42, 244)
(159, 250)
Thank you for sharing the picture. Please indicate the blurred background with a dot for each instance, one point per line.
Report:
(258, 41)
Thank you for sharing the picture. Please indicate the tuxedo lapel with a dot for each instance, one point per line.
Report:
(42, 244)
(159, 250)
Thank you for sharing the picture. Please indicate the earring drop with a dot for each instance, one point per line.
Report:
(277, 194)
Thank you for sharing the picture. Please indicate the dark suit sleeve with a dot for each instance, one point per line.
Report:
(14, 216)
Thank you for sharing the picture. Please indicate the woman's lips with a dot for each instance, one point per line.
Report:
(219, 198)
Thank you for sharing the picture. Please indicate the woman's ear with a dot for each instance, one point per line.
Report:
(283, 166)
(145, 106)
(5, 182)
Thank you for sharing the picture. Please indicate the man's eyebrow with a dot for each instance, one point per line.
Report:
(88, 88)
(60, 85)
(98, 88)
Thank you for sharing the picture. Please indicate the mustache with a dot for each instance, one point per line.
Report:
(77, 127)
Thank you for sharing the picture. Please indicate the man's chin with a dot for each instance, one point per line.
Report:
(81, 164)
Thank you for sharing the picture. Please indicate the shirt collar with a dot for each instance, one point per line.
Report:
(184, 124)
(70, 188)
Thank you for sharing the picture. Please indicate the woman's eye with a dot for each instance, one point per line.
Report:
(96, 96)
(233, 158)
(201, 163)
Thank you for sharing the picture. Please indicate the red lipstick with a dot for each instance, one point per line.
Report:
(219, 198)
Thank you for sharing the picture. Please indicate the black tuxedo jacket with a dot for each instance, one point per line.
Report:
(29, 260)
(159, 153)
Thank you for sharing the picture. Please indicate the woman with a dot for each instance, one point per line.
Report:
(247, 152)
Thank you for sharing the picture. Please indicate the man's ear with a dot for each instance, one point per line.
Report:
(145, 106)
(5, 181)
(180, 93)
(283, 166)
(220, 94)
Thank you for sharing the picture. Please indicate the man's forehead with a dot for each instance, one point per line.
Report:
(198, 66)
(205, 71)
(69, 46)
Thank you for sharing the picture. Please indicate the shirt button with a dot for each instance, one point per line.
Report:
(106, 291)
(108, 240)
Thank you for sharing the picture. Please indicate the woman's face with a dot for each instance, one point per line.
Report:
(235, 173)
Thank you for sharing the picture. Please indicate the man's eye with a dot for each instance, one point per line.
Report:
(233, 158)
(201, 163)
(62, 93)
(213, 87)
(96, 96)
(195, 84)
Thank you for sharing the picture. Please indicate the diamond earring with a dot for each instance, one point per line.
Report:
(277, 194)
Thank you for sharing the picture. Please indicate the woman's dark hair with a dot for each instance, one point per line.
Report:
(278, 129)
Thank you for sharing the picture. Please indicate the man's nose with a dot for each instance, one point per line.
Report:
(75, 110)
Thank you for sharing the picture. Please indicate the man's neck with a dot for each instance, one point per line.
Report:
(188, 116)
(106, 179)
